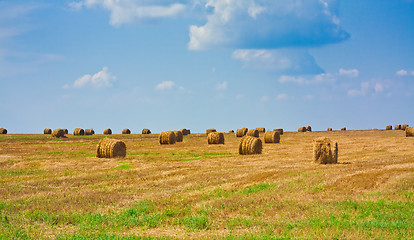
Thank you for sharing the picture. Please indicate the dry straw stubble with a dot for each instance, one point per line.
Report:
(178, 136)
(110, 148)
(250, 145)
(324, 151)
(167, 137)
(215, 138)
(47, 131)
(253, 133)
(241, 132)
(271, 137)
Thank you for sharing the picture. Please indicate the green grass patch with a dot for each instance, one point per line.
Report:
(123, 167)
(257, 188)
(55, 153)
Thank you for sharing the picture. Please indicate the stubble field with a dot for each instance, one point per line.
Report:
(57, 189)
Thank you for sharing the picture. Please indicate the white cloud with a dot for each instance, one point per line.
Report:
(401, 73)
(282, 96)
(165, 85)
(315, 79)
(368, 88)
(352, 73)
(222, 86)
(101, 79)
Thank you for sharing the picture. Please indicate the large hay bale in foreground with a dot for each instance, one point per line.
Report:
(404, 126)
(388, 127)
(279, 130)
(329, 129)
(58, 133)
(241, 132)
(126, 131)
(47, 131)
(89, 131)
(343, 128)
(302, 129)
(308, 128)
(78, 132)
(253, 133)
(397, 127)
(271, 137)
(3, 131)
(178, 136)
(167, 137)
(146, 131)
(324, 152)
(409, 131)
(250, 145)
(215, 138)
(261, 130)
(110, 148)
(210, 130)
(107, 131)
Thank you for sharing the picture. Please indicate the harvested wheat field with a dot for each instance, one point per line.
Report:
(56, 188)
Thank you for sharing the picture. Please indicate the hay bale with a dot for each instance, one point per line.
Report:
(302, 129)
(388, 127)
(308, 128)
(215, 138)
(343, 128)
(231, 131)
(78, 132)
(89, 131)
(146, 131)
(409, 131)
(271, 137)
(241, 132)
(167, 137)
(261, 130)
(329, 129)
(397, 127)
(253, 133)
(324, 152)
(210, 130)
(250, 145)
(279, 130)
(178, 136)
(404, 126)
(184, 131)
(66, 130)
(3, 131)
(58, 133)
(107, 131)
(126, 131)
(110, 148)
(47, 131)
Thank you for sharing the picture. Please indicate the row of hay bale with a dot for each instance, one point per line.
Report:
(305, 129)
(241, 132)
(397, 127)
(81, 132)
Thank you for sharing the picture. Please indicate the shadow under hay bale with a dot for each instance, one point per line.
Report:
(146, 131)
(329, 129)
(210, 130)
(126, 131)
(215, 138)
(250, 145)
(308, 128)
(324, 151)
(167, 137)
(107, 131)
(89, 131)
(47, 131)
(279, 130)
(261, 130)
(409, 131)
(78, 132)
(388, 127)
(253, 133)
(178, 136)
(58, 133)
(302, 129)
(271, 137)
(241, 132)
(110, 148)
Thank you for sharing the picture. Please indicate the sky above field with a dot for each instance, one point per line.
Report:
(201, 64)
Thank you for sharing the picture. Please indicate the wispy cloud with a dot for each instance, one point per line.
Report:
(221, 86)
(101, 79)
(352, 73)
(165, 85)
(313, 79)
(368, 88)
(403, 73)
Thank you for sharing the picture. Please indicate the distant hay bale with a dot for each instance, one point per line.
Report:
(178, 136)
(215, 138)
(404, 126)
(329, 129)
(241, 132)
(210, 130)
(3, 131)
(308, 128)
(126, 131)
(279, 130)
(58, 133)
(231, 131)
(110, 148)
(167, 137)
(343, 128)
(107, 131)
(250, 145)
(185, 131)
(388, 127)
(89, 131)
(47, 131)
(146, 131)
(397, 127)
(253, 133)
(302, 129)
(409, 131)
(324, 152)
(78, 132)
(66, 130)
(261, 130)
(271, 137)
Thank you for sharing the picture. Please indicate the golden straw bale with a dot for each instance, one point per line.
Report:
(409, 131)
(404, 126)
(388, 127)
(126, 131)
(215, 138)
(261, 130)
(110, 148)
(250, 145)
(302, 129)
(397, 127)
(210, 130)
(178, 136)
(308, 128)
(47, 131)
(253, 133)
(271, 137)
(3, 131)
(184, 131)
(279, 130)
(324, 152)
(167, 137)
(89, 131)
(343, 128)
(58, 132)
(107, 131)
(329, 129)
(241, 132)
(78, 132)
(146, 131)
(231, 131)
(66, 130)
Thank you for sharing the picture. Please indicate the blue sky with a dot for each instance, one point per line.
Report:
(201, 64)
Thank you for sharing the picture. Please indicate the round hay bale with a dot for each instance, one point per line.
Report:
(210, 130)
(324, 152)
(47, 131)
(404, 126)
(241, 132)
(66, 130)
(261, 130)
(167, 137)
(279, 130)
(89, 131)
(215, 138)
(110, 148)
(250, 145)
(107, 131)
(183, 131)
(329, 129)
(253, 133)
(409, 131)
(126, 131)
(231, 131)
(397, 127)
(388, 127)
(271, 137)
(58, 133)
(302, 129)
(178, 136)
(146, 131)
(343, 128)
(3, 131)
(308, 128)
(78, 132)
